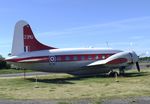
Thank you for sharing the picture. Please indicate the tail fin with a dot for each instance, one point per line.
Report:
(25, 41)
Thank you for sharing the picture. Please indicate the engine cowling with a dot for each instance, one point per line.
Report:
(124, 59)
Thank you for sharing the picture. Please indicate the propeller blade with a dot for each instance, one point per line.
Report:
(138, 67)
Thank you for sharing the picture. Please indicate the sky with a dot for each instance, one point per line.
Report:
(117, 24)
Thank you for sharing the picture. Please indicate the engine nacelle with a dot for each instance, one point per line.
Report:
(122, 59)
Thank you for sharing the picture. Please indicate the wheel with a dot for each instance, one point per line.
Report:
(113, 73)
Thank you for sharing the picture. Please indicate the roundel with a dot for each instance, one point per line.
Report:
(52, 58)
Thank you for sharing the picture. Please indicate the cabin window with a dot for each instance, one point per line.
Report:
(82, 57)
(59, 58)
(103, 57)
(75, 58)
(89, 57)
(96, 57)
(67, 58)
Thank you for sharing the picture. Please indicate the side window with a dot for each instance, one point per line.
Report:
(103, 57)
(58, 58)
(96, 57)
(82, 57)
(67, 58)
(75, 58)
(89, 57)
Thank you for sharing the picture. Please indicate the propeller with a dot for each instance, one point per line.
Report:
(135, 59)
(138, 67)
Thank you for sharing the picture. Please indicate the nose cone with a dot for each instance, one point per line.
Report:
(134, 56)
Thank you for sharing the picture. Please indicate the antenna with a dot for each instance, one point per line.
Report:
(107, 44)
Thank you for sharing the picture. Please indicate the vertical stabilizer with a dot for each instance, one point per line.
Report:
(25, 41)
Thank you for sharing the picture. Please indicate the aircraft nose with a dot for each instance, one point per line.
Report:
(134, 57)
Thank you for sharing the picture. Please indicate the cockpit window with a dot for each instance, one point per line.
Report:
(131, 54)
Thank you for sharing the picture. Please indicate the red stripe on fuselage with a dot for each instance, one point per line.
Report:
(64, 58)
(82, 57)
(46, 58)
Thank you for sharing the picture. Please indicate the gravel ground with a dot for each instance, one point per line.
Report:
(138, 100)
(45, 102)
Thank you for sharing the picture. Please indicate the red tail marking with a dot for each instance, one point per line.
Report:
(31, 43)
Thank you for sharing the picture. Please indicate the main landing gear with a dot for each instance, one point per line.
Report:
(114, 73)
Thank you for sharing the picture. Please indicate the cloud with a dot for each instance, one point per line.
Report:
(115, 26)
(127, 34)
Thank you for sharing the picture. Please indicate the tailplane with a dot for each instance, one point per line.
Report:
(25, 41)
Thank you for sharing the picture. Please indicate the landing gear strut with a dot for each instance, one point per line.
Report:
(121, 71)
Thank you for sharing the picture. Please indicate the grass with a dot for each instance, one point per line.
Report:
(64, 86)
(11, 71)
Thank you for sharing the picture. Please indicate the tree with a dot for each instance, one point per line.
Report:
(3, 64)
(1, 57)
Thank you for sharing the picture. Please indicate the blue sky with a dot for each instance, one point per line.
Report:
(124, 24)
